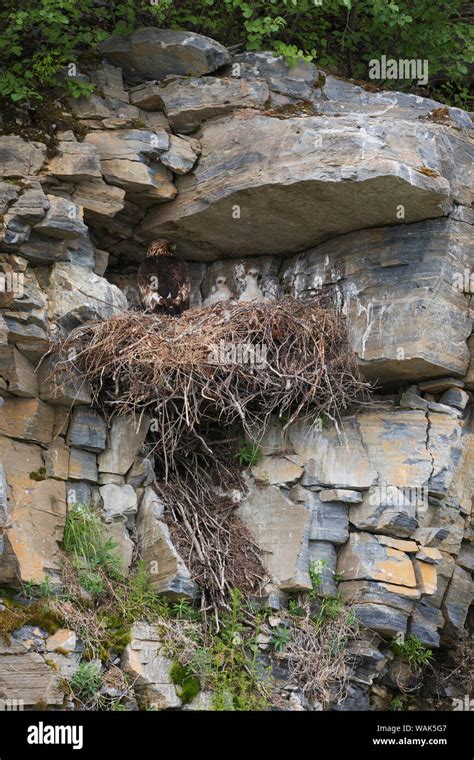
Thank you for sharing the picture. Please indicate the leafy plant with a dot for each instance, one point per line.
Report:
(249, 455)
(396, 704)
(34, 590)
(228, 662)
(86, 681)
(412, 650)
(315, 574)
(281, 637)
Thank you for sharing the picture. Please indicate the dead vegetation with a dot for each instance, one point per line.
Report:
(232, 362)
(200, 376)
(316, 651)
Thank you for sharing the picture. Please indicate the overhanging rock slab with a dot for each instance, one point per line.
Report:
(280, 185)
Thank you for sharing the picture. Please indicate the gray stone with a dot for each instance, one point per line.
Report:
(151, 53)
(126, 437)
(141, 473)
(63, 220)
(75, 162)
(386, 594)
(129, 159)
(56, 460)
(61, 385)
(98, 197)
(180, 156)
(17, 372)
(441, 384)
(76, 295)
(118, 501)
(8, 193)
(469, 377)
(83, 465)
(267, 513)
(329, 521)
(340, 494)
(79, 493)
(275, 470)
(385, 510)
(455, 397)
(338, 95)
(25, 677)
(333, 460)
(411, 399)
(167, 570)
(87, 430)
(147, 96)
(456, 604)
(20, 158)
(465, 557)
(189, 102)
(296, 82)
(39, 249)
(368, 662)
(110, 81)
(364, 558)
(388, 621)
(149, 668)
(394, 325)
(424, 623)
(124, 548)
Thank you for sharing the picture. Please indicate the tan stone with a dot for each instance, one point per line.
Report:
(63, 639)
(363, 557)
(28, 419)
(429, 554)
(36, 515)
(18, 372)
(396, 444)
(25, 676)
(274, 470)
(56, 460)
(409, 547)
(97, 196)
(425, 576)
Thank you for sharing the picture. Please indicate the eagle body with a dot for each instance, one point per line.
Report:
(163, 280)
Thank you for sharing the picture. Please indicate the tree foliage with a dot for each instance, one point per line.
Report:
(42, 40)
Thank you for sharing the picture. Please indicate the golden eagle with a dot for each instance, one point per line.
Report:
(163, 280)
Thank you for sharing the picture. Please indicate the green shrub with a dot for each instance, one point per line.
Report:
(42, 41)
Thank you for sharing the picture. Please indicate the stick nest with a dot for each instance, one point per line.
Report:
(222, 364)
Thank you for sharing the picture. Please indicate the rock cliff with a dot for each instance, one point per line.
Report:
(314, 182)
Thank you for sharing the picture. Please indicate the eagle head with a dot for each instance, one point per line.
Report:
(161, 248)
